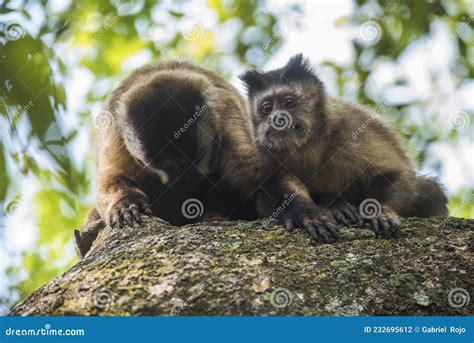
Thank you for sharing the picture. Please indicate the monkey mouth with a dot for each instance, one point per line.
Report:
(285, 131)
(280, 143)
(284, 140)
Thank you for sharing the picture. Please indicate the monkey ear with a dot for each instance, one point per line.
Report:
(253, 81)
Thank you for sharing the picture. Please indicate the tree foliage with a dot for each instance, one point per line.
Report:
(47, 50)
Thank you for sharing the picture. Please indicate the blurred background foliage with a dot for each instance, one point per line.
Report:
(59, 60)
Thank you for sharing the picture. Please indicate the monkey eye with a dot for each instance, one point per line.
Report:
(289, 102)
(266, 108)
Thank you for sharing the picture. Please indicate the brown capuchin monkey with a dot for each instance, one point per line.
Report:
(346, 158)
(175, 135)
(177, 132)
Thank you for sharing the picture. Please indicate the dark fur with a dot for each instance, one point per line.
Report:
(143, 168)
(213, 159)
(319, 148)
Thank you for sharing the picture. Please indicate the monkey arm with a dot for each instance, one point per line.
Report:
(119, 199)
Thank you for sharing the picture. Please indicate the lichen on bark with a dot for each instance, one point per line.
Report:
(245, 268)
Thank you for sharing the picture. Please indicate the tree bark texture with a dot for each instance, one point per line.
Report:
(244, 268)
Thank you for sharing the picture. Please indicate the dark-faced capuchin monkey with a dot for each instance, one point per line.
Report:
(346, 158)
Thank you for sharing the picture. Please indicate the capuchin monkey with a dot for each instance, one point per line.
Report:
(173, 134)
(346, 158)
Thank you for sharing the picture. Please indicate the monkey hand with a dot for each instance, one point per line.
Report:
(386, 224)
(347, 214)
(128, 210)
(317, 221)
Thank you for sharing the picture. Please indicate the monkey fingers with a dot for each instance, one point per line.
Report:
(340, 217)
(128, 210)
(327, 220)
(385, 226)
(348, 215)
(317, 221)
(322, 228)
(288, 223)
(318, 233)
(353, 213)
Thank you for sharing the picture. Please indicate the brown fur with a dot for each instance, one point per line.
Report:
(339, 151)
(220, 144)
(227, 123)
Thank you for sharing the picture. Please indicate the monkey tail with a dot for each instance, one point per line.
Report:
(87, 235)
(431, 199)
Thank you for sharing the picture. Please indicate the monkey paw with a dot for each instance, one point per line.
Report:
(348, 215)
(386, 224)
(319, 223)
(128, 210)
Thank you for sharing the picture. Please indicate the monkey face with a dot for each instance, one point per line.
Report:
(175, 168)
(163, 137)
(283, 118)
(180, 160)
(174, 163)
(287, 105)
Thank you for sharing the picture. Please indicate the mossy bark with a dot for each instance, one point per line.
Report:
(242, 268)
